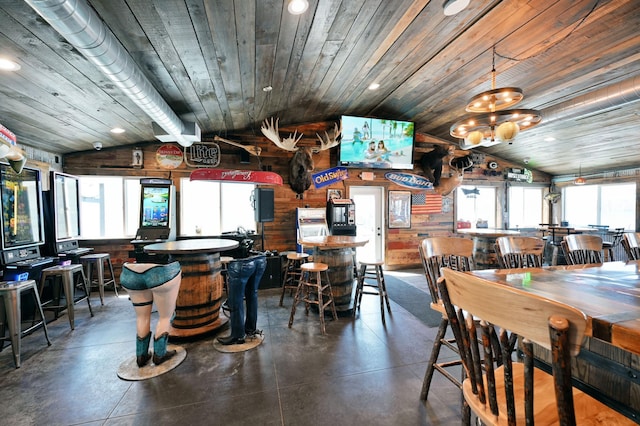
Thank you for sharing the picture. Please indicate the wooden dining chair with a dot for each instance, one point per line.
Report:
(631, 244)
(582, 249)
(437, 253)
(520, 252)
(516, 392)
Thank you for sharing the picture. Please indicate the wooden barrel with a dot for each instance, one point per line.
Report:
(484, 252)
(340, 262)
(200, 296)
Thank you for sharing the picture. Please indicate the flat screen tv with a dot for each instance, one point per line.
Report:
(155, 206)
(376, 143)
(66, 206)
(22, 223)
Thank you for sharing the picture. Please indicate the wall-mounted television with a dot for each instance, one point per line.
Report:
(22, 223)
(66, 206)
(376, 143)
(155, 205)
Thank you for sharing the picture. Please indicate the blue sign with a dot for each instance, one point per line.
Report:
(409, 180)
(329, 176)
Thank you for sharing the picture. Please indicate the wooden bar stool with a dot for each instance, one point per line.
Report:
(371, 275)
(72, 277)
(292, 272)
(10, 291)
(97, 261)
(311, 286)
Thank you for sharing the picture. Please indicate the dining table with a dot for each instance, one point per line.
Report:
(337, 251)
(200, 296)
(609, 296)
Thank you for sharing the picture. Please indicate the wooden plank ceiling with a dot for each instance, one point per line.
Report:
(210, 59)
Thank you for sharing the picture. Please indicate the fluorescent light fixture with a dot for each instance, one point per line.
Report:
(297, 7)
(9, 65)
(452, 7)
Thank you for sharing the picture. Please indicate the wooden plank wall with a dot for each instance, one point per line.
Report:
(401, 244)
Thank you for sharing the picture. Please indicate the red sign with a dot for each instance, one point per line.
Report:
(169, 156)
(248, 176)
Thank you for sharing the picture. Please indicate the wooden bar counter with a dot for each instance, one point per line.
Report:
(337, 252)
(200, 296)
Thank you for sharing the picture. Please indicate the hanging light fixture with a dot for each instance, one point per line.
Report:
(493, 122)
(580, 180)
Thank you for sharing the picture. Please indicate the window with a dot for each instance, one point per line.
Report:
(525, 206)
(477, 205)
(109, 206)
(210, 208)
(613, 205)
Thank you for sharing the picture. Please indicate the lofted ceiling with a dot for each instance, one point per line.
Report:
(209, 60)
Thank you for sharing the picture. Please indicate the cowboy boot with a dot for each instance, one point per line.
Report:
(160, 352)
(142, 350)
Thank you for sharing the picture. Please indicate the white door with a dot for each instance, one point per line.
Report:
(369, 201)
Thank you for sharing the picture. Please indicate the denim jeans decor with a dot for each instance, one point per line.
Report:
(244, 277)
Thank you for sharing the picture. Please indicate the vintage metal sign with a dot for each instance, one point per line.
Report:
(519, 175)
(202, 154)
(329, 176)
(409, 180)
(248, 176)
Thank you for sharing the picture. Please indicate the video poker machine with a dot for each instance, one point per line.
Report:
(157, 217)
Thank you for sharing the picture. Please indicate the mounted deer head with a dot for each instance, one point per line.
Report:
(301, 164)
(447, 185)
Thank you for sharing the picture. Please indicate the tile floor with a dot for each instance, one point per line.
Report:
(360, 373)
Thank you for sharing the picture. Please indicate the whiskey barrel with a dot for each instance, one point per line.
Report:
(200, 296)
(340, 262)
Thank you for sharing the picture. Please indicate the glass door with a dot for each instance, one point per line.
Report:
(369, 202)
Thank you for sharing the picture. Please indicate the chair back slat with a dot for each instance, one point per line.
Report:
(631, 244)
(440, 252)
(520, 252)
(581, 249)
(471, 300)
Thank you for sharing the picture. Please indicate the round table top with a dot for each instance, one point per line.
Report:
(487, 232)
(333, 241)
(204, 245)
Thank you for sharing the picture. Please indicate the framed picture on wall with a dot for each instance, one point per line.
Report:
(399, 209)
(334, 194)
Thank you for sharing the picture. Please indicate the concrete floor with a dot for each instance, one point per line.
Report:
(360, 373)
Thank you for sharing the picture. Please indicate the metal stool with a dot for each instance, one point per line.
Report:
(370, 271)
(10, 291)
(292, 273)
(97, 260)
(72, 277)
(312, 286)
(224, 260)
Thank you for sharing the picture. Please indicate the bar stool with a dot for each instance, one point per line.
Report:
(97, 260)
(10, 291)
(292, 272)
(224, 261)
(371, 275)
(311, 285)
(72, 276)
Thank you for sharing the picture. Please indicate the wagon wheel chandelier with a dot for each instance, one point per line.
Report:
(492, 122)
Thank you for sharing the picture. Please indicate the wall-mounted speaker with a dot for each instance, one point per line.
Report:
(263, 199)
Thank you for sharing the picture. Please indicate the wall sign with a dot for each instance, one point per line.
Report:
(236, 176)
(202, 154)
(409, 180)
(519, 175)
(169, 156)
(329, 176)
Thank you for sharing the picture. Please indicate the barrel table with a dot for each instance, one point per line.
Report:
(200, 295)
(484, 245)
(337, 252)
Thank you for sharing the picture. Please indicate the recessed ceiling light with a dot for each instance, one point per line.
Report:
(297, 7)
(374, 86)
(267, 88)
(117, 130)
(9, 65)
(549, 139)
(452, 7)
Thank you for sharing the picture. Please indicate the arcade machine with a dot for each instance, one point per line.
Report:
(341, 217)
(22, 225)
(310, 222)
(62, 218)
(157, 218)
